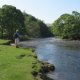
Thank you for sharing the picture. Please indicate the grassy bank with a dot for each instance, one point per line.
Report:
(3, 41)
(16, 63)
(21, 64)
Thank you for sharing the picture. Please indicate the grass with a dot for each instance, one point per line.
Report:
(3, 41)
(16, 63)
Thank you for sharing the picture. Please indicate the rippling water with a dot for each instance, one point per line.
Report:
(65, 55)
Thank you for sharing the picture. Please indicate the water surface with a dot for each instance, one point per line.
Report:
(65, 55)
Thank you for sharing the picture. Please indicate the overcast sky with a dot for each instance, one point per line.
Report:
(46, 10)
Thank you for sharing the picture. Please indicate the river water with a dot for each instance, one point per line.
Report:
(64, 54)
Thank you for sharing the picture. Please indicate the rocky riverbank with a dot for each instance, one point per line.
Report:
(45, 67)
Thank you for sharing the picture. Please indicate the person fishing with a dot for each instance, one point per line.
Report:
(17, 38)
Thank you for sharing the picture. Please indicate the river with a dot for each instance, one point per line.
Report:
(64, 54)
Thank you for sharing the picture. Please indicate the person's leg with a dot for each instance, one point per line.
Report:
(17, 42)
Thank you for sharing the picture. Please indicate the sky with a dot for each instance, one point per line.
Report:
(46, 10)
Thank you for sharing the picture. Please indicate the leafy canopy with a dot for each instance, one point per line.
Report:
(67, 26)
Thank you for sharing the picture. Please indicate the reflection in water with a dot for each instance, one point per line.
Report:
(65, 55)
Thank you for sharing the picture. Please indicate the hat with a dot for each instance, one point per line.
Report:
(17, 30)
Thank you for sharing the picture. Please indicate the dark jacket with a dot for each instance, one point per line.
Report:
(16, 35)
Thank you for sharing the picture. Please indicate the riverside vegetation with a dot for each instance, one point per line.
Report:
(12, 18)
(21, 64)
(67, 26)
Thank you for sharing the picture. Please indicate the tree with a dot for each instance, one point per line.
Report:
(44, 30)
(67, 26)
(11, 19)
(31, 26)
(35, 27)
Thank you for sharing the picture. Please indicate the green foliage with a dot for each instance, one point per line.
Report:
(10, 20)
(67, 26)
(35, 27)
(44, 30)
(31, 26)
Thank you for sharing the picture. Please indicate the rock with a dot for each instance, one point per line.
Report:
(34, 73)
(47, 67)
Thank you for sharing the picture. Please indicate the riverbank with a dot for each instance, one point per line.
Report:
(21, 64)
